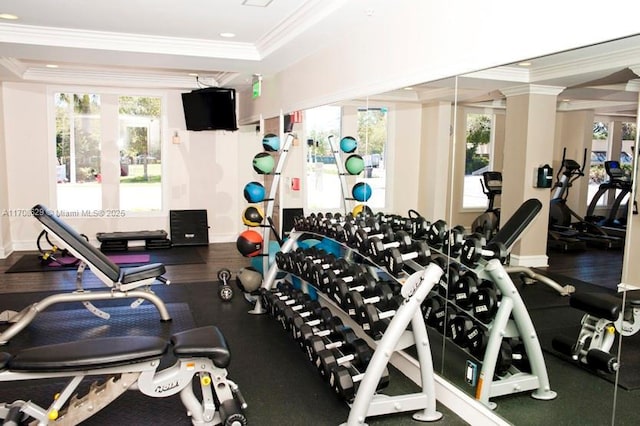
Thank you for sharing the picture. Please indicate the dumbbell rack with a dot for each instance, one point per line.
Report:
(266, 233)
(396, 338)
(511, 320)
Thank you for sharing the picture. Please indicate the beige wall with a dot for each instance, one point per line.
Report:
(5, 229)
(207, 170)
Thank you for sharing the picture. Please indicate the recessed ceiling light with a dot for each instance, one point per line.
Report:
(8, 16)
(193, 74)
(51, 66)
(566, 100)
(227, 35)
(258, 3)
(408, 88)
(524, 64)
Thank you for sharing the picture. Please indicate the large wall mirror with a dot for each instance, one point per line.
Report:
(562, 129)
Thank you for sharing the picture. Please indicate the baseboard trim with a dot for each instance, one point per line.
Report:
(539, 261)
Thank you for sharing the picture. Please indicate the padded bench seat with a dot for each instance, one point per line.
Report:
(602, 305)
(113, 351)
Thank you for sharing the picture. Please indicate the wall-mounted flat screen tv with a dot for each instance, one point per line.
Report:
(211, 108)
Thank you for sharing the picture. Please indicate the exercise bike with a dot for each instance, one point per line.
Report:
(605, 315)
(130, 362)
(488, 223)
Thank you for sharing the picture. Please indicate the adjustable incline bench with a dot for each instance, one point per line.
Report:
(129, 362)
(123, 283)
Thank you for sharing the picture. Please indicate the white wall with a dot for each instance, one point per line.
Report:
(408, 41)
(206, 170)
(5, 230)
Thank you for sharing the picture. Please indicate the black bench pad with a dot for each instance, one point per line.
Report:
(601, 305)
(152, 270)
(202, 342)
(88, 354)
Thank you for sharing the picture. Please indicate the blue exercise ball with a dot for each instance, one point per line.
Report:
(348, 144)
(271, 142)
(254, 192)
(361, 191)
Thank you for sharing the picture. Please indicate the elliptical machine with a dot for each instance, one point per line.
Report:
(620, 182)
(488, 223)
(565, 234)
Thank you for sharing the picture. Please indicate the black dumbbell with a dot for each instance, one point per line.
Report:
(345, 381)
(331, 339)
(485, 301)
(477, 339)
(340, 288)
(349, 274)
(474, 249)
(394, 259)
(307, 265)
(464, 288)
(320, 275)
(364, 239)
(454, 238)
(356, 353)
(312, 314)
(458, 327)
(379, 296)
(377, 246)
(373, 321)
(305, 331)
(436, 235)
(447, 281)
(296, 302)
(283, 290)
(304, 307)
(225, 292)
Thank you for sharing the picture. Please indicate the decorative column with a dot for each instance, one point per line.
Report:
(529, 140)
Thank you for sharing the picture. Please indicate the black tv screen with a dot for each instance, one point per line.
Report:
(211, 108)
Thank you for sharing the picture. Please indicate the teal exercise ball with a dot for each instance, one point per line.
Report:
(271, 142)
(254, 192)
(361, 191)
(263, 163)
(348, 144)
(354, 164)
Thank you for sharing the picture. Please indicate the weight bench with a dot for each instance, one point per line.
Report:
(129, 362)
(123, 283)
(604, 315)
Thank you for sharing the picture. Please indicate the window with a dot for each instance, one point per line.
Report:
(78, 151)
(324, 191)
(81, 158)
(477, 158)
(372, 140)
(140, 153)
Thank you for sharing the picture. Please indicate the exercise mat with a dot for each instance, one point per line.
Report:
(173, 256)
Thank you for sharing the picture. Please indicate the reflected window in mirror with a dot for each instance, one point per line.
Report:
(372, 143)
(323, 183)
(478, 158)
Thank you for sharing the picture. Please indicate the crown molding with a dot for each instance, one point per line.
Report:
(14, 66)
(119, 79)
(102, 40)
(303, 18)
(532, 89)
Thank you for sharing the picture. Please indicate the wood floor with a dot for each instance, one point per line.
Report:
(601, 267)
(216, 256)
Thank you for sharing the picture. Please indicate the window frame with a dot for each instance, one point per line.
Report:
(107, 95)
